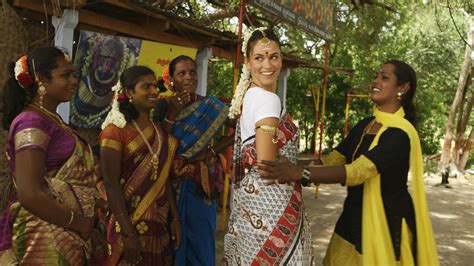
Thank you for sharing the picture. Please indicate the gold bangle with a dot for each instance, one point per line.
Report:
(70, 220)
(270, 130)
(213, 151)
(267, 129)
(169, 121)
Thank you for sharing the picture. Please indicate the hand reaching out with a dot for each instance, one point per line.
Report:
(281, 170)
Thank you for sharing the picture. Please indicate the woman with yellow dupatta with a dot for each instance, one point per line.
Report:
(52, 169)
(136, 156)
(380, 223)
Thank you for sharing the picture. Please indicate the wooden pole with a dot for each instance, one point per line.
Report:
(316, 95)
(234, 85)
(346, 126)
(323, 106)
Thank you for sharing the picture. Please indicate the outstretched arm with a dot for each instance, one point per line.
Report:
(284, 171)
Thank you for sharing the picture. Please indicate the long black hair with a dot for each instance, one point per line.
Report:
(406, 74)
(129, 79)
(15, 97)
(258, 35)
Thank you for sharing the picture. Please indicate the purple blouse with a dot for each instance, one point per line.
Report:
(31, 130)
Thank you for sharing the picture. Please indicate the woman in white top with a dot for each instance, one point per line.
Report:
(267, 225)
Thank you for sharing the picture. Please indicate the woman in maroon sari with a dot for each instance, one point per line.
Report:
(138, 188)
(51, 168)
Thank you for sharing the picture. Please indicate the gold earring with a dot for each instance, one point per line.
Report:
(42, 93)
(130, 100)
(399, 95)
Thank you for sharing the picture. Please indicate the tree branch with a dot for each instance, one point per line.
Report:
(456, 26)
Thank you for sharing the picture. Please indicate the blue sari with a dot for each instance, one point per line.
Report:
(194, 128)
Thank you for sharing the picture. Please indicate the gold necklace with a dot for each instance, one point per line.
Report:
(366, 130)
(154, 155)
(53, 116)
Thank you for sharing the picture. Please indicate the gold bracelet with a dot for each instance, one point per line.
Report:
(70, 220)
(169, 121)
(213, 151)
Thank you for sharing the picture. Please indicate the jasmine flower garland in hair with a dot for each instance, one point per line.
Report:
(244, 81)
(115, 116)
(245, 78)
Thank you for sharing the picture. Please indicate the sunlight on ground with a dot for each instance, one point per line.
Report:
(465, 242)
(333, 206)
(444, 216)
(450, 248)
(324, 241)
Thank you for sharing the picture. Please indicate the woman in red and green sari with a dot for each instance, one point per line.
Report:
(52, 169)
(138, 188)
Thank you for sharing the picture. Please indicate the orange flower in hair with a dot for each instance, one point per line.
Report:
(167, 79)
(21, 73)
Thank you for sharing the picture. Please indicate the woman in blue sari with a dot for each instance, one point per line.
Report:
(194, 121)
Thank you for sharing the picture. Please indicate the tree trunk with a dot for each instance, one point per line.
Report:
(466, 151)
(455, 107)
(463, 119)
(458, 132)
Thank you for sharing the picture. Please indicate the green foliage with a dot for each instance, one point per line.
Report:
(220, 79)
(422, 35)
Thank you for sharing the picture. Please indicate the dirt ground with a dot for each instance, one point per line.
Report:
(452, 216)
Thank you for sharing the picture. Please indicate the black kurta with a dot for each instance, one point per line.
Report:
(391, 158)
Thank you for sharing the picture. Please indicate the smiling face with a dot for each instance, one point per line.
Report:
(385, 88)
(62, 84)
(145, 94)
(185, 76)
(264, 63)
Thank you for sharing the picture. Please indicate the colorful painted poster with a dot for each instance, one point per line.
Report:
(313, 16)
(100, 59)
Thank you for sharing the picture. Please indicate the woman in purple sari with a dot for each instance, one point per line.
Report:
(52, 169)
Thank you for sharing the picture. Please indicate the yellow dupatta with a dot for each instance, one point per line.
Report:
(376, 241)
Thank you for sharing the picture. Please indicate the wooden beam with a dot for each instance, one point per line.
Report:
(133, 7)
(86, 27)
(175, 21)
(149, 32)
(223, 53)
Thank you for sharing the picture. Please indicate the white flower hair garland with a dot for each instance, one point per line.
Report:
(245, 78)
(115, 116)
